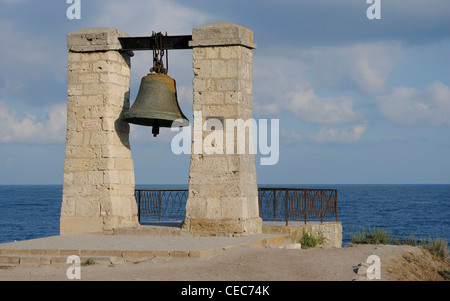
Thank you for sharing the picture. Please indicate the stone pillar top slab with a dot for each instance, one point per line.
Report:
(93, 39)
(222, 34)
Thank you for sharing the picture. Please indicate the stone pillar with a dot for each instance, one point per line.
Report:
(223, 192)
(98, 190)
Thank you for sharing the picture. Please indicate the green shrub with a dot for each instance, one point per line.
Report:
(409, 240)
(89, 261)
(436, 246)
(311, 241)
(371, 236)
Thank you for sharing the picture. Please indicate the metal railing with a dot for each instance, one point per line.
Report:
(161, 203)
(276, 204)
(295, 204)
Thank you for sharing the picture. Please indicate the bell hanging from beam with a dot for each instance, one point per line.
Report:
(156, 104)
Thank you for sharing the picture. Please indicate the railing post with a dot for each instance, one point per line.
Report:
(336, 203)
(259, 201)
(275, 205)
(321, 207)
(306, 205)
(159, 205)
(139, 205)
(286, 206)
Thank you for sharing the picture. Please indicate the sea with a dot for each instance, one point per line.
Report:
(33, 211)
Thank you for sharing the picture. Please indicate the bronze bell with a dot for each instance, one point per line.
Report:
(156, 104)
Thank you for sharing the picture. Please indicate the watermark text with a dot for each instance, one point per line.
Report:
(374, 10)
(74, 271)
(217, 135)
(74, 10)
(374, 269)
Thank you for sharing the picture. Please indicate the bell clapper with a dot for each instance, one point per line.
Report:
(155, 128)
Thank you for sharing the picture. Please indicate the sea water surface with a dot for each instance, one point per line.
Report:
(28, 212)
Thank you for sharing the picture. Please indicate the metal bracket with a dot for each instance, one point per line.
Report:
(148, 43)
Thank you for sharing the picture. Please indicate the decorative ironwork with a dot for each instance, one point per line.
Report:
(275, 204)
(292, 204)
(157, 204)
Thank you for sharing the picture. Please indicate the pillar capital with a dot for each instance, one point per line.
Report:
(222, 34)
(92, 39)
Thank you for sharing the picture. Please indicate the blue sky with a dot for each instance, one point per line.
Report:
(359, 100)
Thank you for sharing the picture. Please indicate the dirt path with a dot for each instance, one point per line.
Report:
(236, 264)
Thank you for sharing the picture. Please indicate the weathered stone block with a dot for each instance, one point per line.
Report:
(219, 69)
(222, 34)
(204, 84)
(228, 85)
(74, 89)
(202, 68)
(94, 39)
(212, 52)
(209, 97)
(231, 52)
(88, 78)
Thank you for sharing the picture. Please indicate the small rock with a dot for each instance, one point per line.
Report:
(362, 269)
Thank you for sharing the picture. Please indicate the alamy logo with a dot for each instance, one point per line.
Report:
(74, 271)
(374, 268)
(218, 136)
(74, 10)
(374, 11)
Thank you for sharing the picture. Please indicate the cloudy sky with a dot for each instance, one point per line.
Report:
(359, 100)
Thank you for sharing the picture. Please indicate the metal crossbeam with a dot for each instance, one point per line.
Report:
(148, 43)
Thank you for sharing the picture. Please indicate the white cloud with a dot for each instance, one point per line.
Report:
(408, 106)
(345, 136)
(290, 83)
(266, 108)
(281, 85)
(364, 66)
(313, 109)
(290, 136)
(32, 129)
(368, 65)
(157, 15)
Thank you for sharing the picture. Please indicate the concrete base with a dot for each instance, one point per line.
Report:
(79, 224)
(331, 232)
(120, 248)
(94, 225)
(223, 227)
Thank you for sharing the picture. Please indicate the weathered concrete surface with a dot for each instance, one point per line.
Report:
(330, 231)
(106, 248)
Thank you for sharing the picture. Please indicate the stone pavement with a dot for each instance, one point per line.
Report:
(135, 244)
